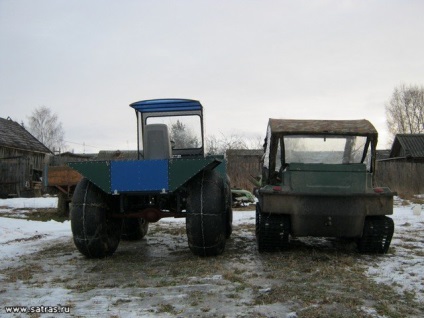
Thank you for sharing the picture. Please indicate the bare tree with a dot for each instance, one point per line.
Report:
(46, 127)
(183, 136)
(405, 110)
(219, 145)
(212, 145)
(255, 142)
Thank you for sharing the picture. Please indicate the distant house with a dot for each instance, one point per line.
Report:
(408, 147)
(63, 158)
(403, 170)
(383, 154)
(22, 159)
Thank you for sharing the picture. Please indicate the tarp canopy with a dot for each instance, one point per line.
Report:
(360, 127)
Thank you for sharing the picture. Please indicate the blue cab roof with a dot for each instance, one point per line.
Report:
(166, 105)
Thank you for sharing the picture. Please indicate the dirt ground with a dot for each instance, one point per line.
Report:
(158, 276)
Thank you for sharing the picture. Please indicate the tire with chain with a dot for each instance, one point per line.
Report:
(229, 209)
(95, 234)
(377, 235)
(134, 229)
(207, 217)
(258, 219)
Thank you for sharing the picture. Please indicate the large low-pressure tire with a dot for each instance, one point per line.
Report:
(228, 209)
(134, 229)
(96, 235)
(207, 221)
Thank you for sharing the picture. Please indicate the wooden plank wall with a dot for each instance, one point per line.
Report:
(406, 178)
(241, 164)
(19, 170)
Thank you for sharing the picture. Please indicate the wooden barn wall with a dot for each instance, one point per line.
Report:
(63, 160)
(240, 167)
(406, 178)
(19, 170)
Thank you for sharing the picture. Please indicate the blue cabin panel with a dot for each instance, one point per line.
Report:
(139, 176)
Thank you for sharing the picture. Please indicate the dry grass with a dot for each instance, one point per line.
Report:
(312, 279)
(23, 273)
(42, 215)
(167, 308)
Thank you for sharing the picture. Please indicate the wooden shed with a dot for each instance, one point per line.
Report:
(22, 159)
(403, 170)
(408, 147)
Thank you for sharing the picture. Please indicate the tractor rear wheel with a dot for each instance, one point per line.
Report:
(134, 229)
(95, 233)
(207, 219)
(229, 210)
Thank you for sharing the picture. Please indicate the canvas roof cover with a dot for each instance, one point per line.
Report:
(360, 127)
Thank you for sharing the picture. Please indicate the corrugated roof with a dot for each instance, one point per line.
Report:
(360, 127)
(13, 135)
(408, 145)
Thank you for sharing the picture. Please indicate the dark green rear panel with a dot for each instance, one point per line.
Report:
(182, 170)
(327, 178)
(97, 172)
(178, 171)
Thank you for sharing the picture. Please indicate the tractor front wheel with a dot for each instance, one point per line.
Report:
(207, 219)
(95, 233)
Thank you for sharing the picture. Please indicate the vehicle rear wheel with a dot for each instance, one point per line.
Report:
(229, 210)
(377, 235)
(63, 204)
(95, 233)
(134, 229)
(207, 218)
(272, 231)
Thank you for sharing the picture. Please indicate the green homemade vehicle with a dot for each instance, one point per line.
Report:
(317, 181)
(172, 177)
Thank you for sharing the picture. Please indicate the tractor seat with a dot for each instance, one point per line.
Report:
(157, 144)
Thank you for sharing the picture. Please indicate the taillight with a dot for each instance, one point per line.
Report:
(378, 190)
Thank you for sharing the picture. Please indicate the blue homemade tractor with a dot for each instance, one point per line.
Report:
(170, 177)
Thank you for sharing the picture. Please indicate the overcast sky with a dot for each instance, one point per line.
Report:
(245, 61)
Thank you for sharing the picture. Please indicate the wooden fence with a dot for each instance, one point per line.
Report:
(406, 178)
(241, 164)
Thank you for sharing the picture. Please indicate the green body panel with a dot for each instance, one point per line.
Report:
(182, 170)
(222, 168)
(97, 172)
(326, 178)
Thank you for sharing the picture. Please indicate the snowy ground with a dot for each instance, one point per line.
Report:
(403, 267)
(158, 276)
